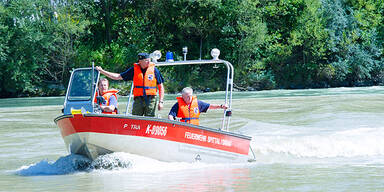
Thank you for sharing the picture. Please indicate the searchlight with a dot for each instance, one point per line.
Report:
(215, 53)
(156, 55)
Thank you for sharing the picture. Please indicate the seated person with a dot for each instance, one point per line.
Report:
(106, 98)
(188, 108)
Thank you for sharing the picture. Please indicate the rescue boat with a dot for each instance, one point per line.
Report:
(88, 132)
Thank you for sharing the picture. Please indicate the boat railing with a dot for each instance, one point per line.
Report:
(229, 84)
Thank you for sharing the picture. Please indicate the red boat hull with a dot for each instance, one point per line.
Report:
(93, 135)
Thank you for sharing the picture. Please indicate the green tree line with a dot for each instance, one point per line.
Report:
(272, 44)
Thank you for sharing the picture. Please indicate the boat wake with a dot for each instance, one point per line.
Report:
(64, 165)
(75, 163)
(119, 161)
(296, 144)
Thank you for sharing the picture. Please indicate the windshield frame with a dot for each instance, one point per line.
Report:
(71, 85)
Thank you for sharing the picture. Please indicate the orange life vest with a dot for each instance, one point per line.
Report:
(144, 83)
(107, 95)
(189, 114)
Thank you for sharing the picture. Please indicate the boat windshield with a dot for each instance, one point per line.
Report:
(81, 85)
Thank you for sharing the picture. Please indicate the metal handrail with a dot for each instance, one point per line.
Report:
(228, 89)
(129, 100)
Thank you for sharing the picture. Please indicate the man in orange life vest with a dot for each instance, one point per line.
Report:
(147, 79)
(107, 97)
(188, 108)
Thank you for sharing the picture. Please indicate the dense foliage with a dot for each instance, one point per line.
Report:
(271, 43)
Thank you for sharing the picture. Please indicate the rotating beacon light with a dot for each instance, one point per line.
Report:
(169, 57)
(156, 55)
(215, 53)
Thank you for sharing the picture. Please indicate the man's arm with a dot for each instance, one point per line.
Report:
(173, 113)
(112, 105)
(111, 75)
(161, 96)
(110, 108)
(215, 106)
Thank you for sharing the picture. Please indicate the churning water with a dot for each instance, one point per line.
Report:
(304, 140)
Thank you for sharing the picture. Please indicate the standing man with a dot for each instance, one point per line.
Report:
(188, 108)
(147, 79)
(107, 98)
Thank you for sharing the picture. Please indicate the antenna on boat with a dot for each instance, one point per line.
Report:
(93, 84)
(185, 51)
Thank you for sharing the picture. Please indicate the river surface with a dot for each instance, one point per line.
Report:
(304, 140)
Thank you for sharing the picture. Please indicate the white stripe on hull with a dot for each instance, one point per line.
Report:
(99, 143)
